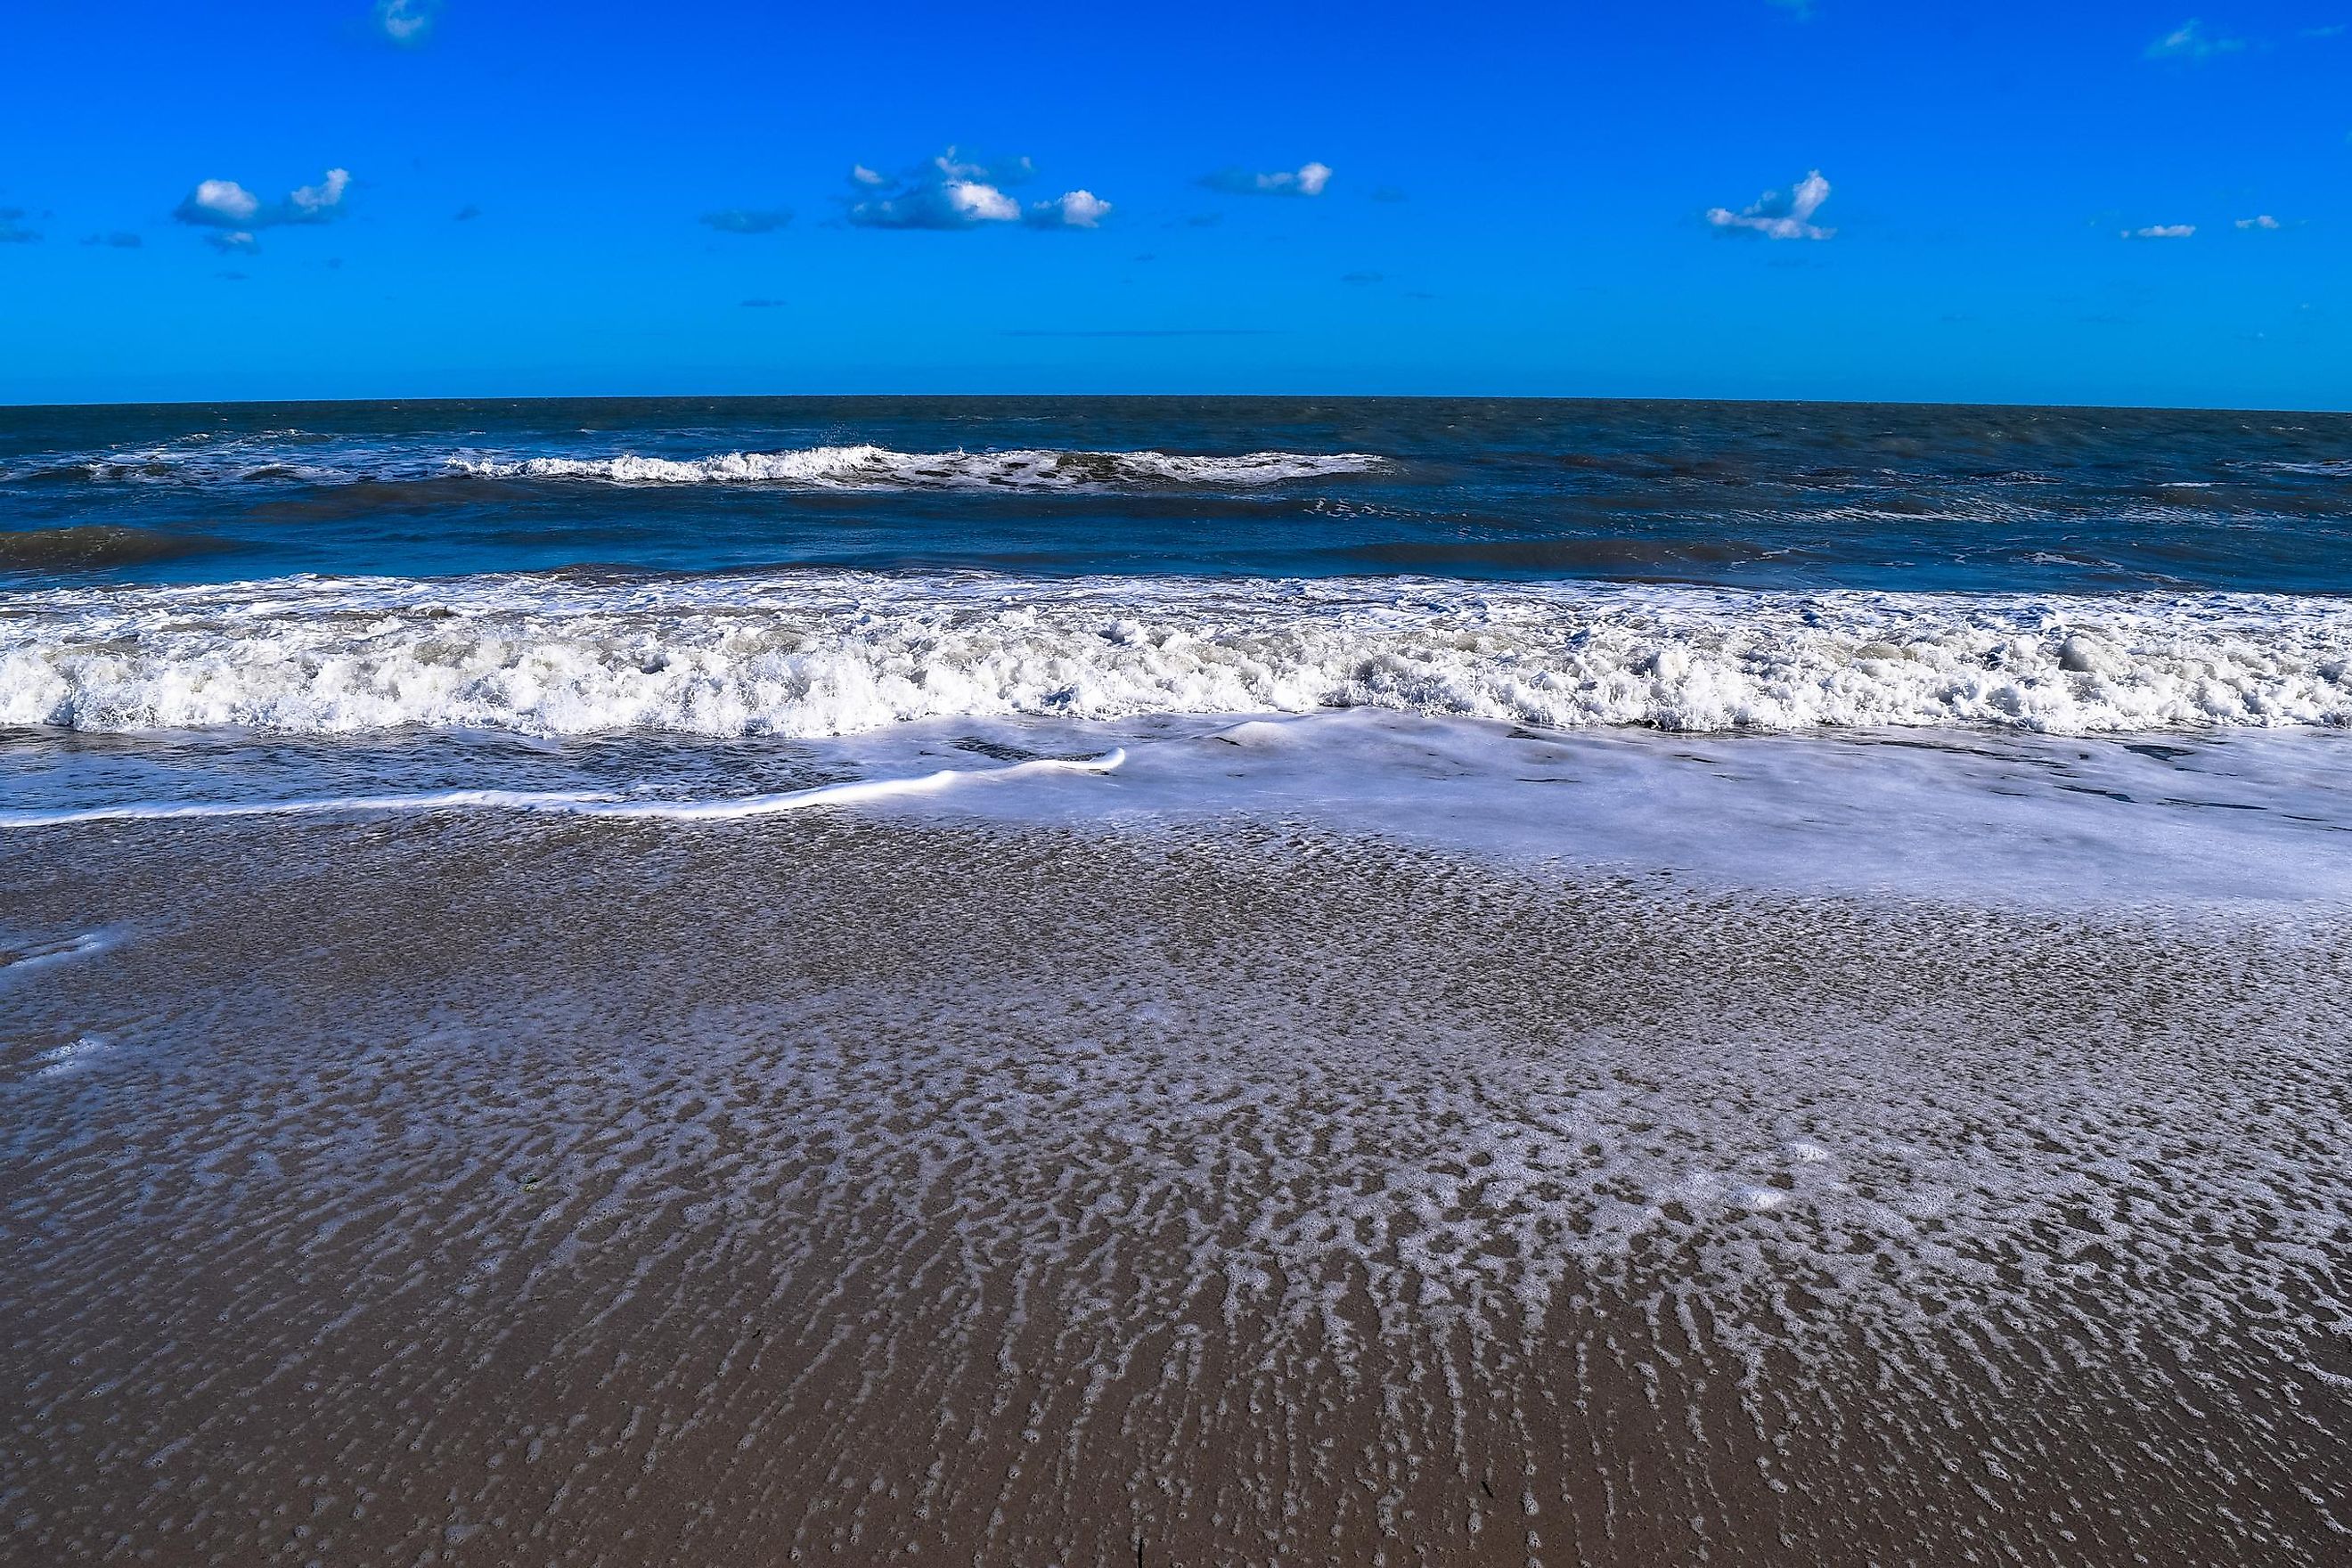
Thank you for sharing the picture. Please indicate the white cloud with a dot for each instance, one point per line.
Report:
(977, 203)
(223, 202)
(1308, 180)
(229, 208)
(952, 192)
(1778, 214)
(1071, 209)
(2190, 41)
(313, 201)
(405, 22)
(2161, 231)
(2262, 221)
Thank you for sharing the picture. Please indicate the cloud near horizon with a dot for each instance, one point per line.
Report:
(2161, 231)
(748, 220)
(2261, 220)
(12, 229)
(236, 213)
(1308, 180)
(1779, 215)
(953, 192)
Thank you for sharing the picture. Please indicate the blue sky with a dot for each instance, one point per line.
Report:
(337, 198)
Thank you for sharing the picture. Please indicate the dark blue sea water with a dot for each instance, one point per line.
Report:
(1753, 495)
(2111, 639)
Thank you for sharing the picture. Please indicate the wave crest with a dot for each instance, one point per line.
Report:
(834, 653)
(291, 457)
(871, 467)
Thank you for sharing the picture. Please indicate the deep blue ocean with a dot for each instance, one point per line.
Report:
(1367, 610)
(1753, 495)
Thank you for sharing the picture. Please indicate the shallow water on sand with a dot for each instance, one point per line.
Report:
(538, 1188)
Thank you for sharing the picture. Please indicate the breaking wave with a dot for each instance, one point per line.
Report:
(868, 467)
(283, 456)
(812, 653)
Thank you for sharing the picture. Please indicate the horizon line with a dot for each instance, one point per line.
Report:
(16, 408)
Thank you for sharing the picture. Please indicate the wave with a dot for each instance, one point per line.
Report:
(570, 803)
(288, 457)
(868, 467)
(827, 653)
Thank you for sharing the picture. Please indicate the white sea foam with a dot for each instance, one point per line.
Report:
(834, 653)
(871, 467)
(290, 455)
(573, 802)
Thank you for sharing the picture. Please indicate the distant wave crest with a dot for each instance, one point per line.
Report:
(290, 457)
(870, 466)
(811, 654)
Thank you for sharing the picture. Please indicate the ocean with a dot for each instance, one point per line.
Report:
(1169, 980)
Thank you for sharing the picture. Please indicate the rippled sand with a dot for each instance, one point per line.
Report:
(486, 1189)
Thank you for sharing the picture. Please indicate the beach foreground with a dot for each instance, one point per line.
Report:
(470, 1187)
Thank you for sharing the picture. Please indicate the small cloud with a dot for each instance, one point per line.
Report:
(227, 206)
(316, 204)
(743, 220)
(120, 240)
(2333, 30)
(1359, 278)
(763, 304)
(1306, 180)
(1071, 209)
(952, 192)
(1798, 10)
(1778, 214)
(2264, 220)
(234, 277)
(2161, 231)
(221, 202)
(232, 243)
(465, 213)
(408, 23)
(12, 229)
(2190, 41)
(1387, 193)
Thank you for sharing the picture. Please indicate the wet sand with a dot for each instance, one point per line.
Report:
(483, 1189)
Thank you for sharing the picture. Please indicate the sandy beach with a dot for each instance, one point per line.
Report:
(472, 1189)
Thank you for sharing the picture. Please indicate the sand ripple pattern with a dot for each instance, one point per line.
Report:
(876, 1193)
